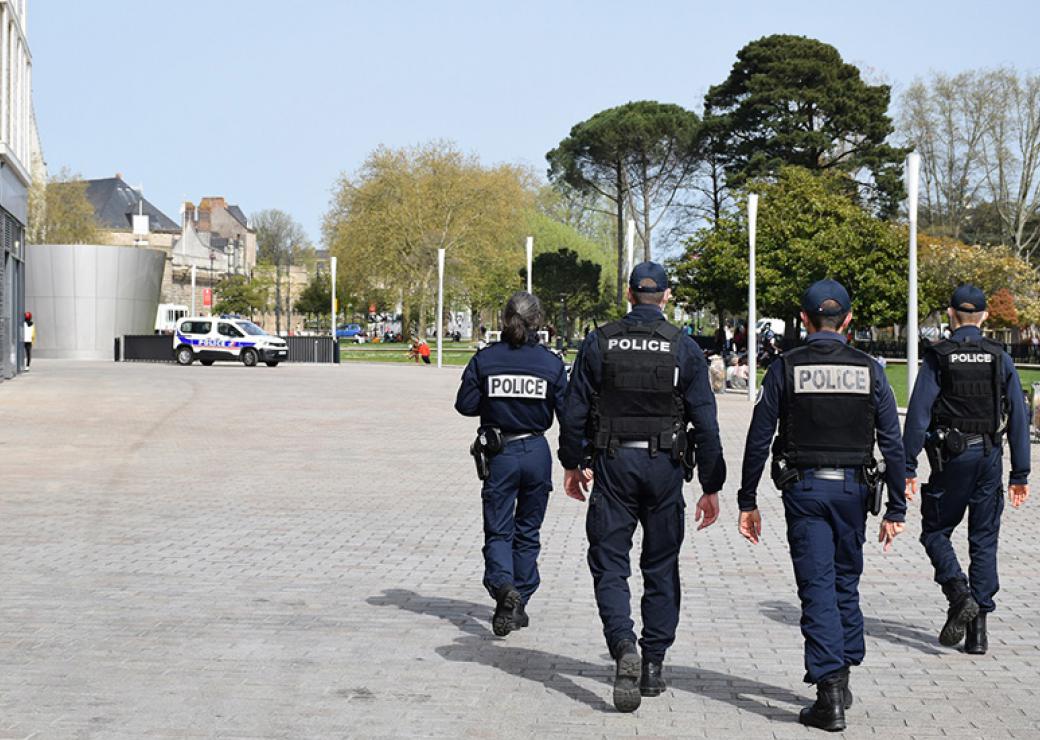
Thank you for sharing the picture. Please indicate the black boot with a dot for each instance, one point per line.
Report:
(508, 598)
(847, 692)
(977, 642)
(651, 683)
(626, 677)
(828, 713)
(962, 610)
(520, 618)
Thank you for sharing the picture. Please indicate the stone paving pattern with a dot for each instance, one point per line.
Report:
(295, 553)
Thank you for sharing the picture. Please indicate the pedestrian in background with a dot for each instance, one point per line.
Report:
(28, 337)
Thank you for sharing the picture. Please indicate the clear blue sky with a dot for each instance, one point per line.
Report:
(267, 102)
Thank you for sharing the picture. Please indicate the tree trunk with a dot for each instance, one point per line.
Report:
(621, 276)
(423, 308)
(646, 216)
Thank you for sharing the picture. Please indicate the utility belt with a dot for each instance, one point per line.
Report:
(945, 443)
(489, 442)
(872, 475)
(676, 443)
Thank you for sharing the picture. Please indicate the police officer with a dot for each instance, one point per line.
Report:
(635, 385)
(966, 395)
(832, 402)
(514, 386)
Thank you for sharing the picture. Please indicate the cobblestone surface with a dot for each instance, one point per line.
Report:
(291, 553)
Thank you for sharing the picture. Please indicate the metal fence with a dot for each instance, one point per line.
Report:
(159, 348)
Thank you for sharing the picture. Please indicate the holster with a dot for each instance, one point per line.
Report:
(487, 444)
(782, 474)
(682, 453)
(874, 477)
(935, 448)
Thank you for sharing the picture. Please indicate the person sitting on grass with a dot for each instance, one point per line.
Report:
(420, 350)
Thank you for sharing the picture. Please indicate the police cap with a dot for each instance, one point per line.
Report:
(822, 291)
(648, 277)
(968, 299)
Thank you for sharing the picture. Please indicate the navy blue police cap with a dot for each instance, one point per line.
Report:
(968, 299)
(822, 291)
(644, 273)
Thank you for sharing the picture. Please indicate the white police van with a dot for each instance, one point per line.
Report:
(211, 338)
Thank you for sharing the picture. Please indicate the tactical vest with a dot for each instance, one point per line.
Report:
(827, 415)
(638, 397)
(971, 383)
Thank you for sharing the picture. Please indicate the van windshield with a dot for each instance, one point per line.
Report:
(250, 328)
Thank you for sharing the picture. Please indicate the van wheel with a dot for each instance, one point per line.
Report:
(207, 363)
(184, 355)
(249, 357)
(271, 363)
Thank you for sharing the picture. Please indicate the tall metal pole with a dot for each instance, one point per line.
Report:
(752, 336)
(332, 318)
(913, 169)
(530, 261)
(440, 305)
(630, 241)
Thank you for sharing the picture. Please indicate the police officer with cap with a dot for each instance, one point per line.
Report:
(967, 396)
(515, 386)
(635, 386)
(832, 402)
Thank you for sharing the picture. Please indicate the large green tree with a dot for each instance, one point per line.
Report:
(792, 100)
(568, 287)
(638, 156)
(809, 228)
(60, 212)
(241, 295)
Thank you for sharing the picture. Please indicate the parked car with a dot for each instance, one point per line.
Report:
(349, 331)
(209, 338)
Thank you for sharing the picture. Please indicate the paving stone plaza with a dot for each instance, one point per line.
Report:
(227, 552)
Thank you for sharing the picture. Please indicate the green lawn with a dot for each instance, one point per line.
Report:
(454, 354)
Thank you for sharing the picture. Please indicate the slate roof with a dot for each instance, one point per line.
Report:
(115, 204)
(238, 215)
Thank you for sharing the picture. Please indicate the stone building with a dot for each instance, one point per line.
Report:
(115, 205)
(19, 154)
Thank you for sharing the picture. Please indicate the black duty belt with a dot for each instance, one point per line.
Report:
(506, 438)
(974, 440)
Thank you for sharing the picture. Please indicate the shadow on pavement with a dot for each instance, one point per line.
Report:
(555, 672)
(898, 633)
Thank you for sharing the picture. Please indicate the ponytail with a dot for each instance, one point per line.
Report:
(521, 316)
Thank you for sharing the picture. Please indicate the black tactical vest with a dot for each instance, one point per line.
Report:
(827, 416)
(638, 397)
(971, 386)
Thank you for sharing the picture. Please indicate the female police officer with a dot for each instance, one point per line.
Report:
(514, 386)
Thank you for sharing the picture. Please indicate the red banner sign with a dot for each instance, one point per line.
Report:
(207, 296)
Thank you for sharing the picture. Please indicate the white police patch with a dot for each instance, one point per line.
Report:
(643, 345)
(971, 357)
(517, 386)
(832, 379)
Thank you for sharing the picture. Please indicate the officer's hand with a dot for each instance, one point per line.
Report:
(575, 482)
(888, 532)
(911, 488)
(751, 525)
(1018, 493)
(707, 510)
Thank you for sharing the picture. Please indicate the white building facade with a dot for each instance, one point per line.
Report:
(18, 146)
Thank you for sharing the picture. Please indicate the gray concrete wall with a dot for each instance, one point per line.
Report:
(82, 296)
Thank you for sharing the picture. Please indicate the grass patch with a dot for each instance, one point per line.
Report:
(398, 354)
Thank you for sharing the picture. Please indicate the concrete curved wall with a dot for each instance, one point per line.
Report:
(82, 296)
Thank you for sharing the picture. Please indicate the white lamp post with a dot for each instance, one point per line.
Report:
(752, 336)
(913, 169)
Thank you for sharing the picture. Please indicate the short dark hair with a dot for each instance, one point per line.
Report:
(648, 298)
(833, 321)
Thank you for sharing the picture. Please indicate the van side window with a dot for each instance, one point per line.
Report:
(195, 327)
(228, 330)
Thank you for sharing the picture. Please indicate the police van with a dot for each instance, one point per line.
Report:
(211, 338)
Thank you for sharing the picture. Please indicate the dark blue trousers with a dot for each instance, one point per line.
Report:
(826, 529)
(970, 482)
(629, 489)
(515, 495)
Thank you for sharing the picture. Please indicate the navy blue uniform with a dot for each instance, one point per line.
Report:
(518, 390)
(826, 523)
(970, 482)
(633, 486)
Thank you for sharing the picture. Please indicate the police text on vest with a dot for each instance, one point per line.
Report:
(517, 386)
(645, 345)
(971, 357)
(831, 379)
